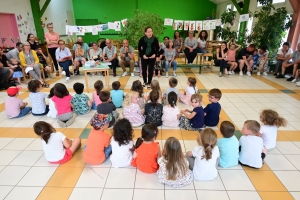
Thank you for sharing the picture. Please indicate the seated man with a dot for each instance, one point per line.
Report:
(64, 58)
(110, 55)
(127, 57)
(245, 58)
(263, 55)
(15, 52)
(282, 56)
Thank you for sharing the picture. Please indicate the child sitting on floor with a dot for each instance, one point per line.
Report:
(132, 111)
(37, 98)
(228, 146)
(189, 91)
(98, 85)
(98, 148)
(212, 111)
(15, 107)
(107, 107)
(57, 148)
(155, 86)
(137, 87)
(153, 110)
(117, 95)
(172, 83)
(80, 102)
(171, 113)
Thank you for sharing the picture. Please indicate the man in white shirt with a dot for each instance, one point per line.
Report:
(282, 56)
(110, 55)
(64, 58)
(127, 57)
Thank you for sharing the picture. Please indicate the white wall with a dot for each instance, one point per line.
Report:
(23, 8)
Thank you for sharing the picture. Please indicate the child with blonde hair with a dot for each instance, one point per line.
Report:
(189, 91)
(173, 165)
(132, 110)
(271, 122)
(155, 86)
(171, 112)
(138, 87)
(203, 160)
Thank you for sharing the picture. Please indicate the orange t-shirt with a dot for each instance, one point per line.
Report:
(146, 160)
(95, 144)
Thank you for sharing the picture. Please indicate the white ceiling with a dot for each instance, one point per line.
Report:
(219, 1)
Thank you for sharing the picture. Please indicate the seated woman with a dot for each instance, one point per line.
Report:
(177, 41)
(30, 62)
(159, 57)
(202, 45)
(221, 58)
(170, 60)
(33, 43)
(95, 52)
(79, 57)
(190, 44)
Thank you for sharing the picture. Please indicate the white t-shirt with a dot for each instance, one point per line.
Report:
(54, 150)
(269, 135)
(121, 155)
(251, 149)
(191, 90)
(205, 170)
(290, 51)
(52, 110)
(202, 43)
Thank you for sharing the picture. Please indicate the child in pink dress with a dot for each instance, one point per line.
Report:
(98, 85)
(189, 91)
(171, 112)
(232, 48)
(132, 110)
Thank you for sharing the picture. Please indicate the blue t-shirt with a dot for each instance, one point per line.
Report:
(198, 120)
(229, 151)
(212, 114)
(80, 102)
(117, 97)
(255, 59)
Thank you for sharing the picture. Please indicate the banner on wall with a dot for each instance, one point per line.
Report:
(186, 25)
(209, 24)
(198, 25)
(192, 25)
(168, 22)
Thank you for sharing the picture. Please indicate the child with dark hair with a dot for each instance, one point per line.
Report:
(171, 112)
(43, 62)
(117, 95)
(80, 102)
(52, 110)
(147, 151)
(122, 144)
(212, 111)
(189, 91)
(62, 100)
(57, 148)
(228, 146)
(97, 148)
(15, 107)
(154, 110)
(107, 107)
(37, 98)
(98, 85)
(138, 87)
(172, 83)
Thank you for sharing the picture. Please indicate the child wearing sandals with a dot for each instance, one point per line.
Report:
(98, 85)
(122, 144)
(57, 148)
(231, 53)
(138, 87)
(173, 165)
(171, 113)
(37, 98)
(132, 111)
(189, 91)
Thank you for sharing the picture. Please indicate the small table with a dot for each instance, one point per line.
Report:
(98, 68)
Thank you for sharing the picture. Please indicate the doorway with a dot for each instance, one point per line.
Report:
(9, 34)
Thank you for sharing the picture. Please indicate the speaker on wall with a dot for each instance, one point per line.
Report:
(241, 4)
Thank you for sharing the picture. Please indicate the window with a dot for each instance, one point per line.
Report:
(274, 2)
(228, 6)
(234, 8)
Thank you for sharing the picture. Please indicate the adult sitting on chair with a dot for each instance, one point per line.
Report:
(79, 58)
(84, 46)
(263, 55)
(15, 52)
(190, 44)
(95, 52)
(245, 58)
(110, 55)
(221, 58)
(127, 57)
(31, 63)
(64, 58)
(202, 44)
(283, 55)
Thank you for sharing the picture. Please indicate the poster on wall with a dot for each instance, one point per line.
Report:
(168, 22)
(80, 29)
(175, 25)
(212, 24)
(198, 25)
(218, 22)
(88, 29)
(192, 25)
(94, 30)
(105, 27)
(179, 24)
(244, 18)
(124, 22)
(99, 27)
(186, 25)
(209, 24)
(111, 25)
(117, 26)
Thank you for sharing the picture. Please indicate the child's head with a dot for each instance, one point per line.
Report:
(122, 131)
(154, 96)
(196, 100)
(149, 133)
(78, 45)
(175, 159)
(101, 121)
(44, 130)
(271, 117)
(34, 86)
(131, 97)
(214, 95)
(78, 87)
(232, 46)
(116, 85)
(13, 91)
(60, 90)
(39, 50)
(173, 82)
(51, 94)
(155, 85)
(13, 61)
(207, 139)
(191, 81)
(104, 96)
(172, 99)
(251, 127)
(137, 87)
(227, 129)
(98, 85)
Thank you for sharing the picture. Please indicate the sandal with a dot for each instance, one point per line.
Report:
(148, 86)
(57, 73)
(144, 85)
(45, 85)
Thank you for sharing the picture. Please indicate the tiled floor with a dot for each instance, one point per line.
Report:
(25, 174)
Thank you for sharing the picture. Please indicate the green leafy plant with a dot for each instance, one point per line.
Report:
(226, 34)
(135, 26)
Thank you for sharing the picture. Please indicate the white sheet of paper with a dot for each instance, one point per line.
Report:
(244, 18)
(175, 24)
(192, 25)
(111, 25)
(88, 29)
(186, 25)
(206, 25)
(198, 25)
(117, 26)
(179, 24)
(124, 22)
(82, 33)
(168, 22)
(218, 22)
(212, 24)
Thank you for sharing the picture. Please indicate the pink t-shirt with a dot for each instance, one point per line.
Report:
(49, 36)
(133, 114)
(12, 106)
(96, 98)
(62, 104)
(231, 55)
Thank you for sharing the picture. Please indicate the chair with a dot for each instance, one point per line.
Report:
(208, 60)
(199, 55)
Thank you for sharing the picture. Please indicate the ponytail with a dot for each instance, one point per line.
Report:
(208, 152)
(280, 121)
(44, 130)
(138, 142)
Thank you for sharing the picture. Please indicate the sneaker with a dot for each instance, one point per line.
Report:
(174, 74)
(75, 72)
(132, 74)
(125, 73)
(232, 72)
(167, 75)
(290, 79)
(67, 78)
(258, 73)
(63, 73)
(279, 76)
(114, 75)
(241, 73)
(275, 74)
(265, 73)
(148, 86)
(298, 84)
(294, 80)
(248, 74)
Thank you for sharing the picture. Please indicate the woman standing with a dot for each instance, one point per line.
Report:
(177, 42)
(30, 62)
(222, 58)
(202, 45)
(33, 43)
(52, 42)
(148, 48)
(190, 44)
